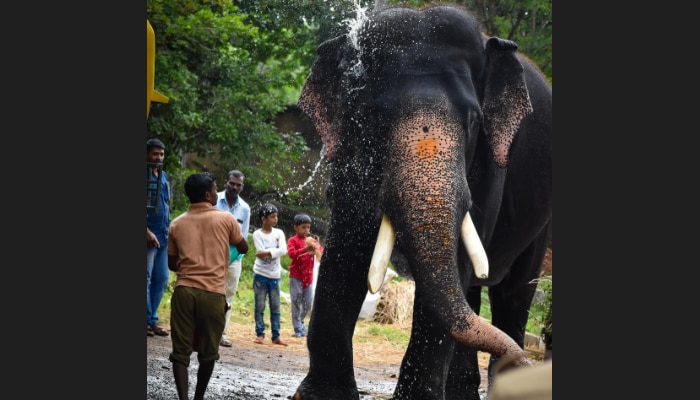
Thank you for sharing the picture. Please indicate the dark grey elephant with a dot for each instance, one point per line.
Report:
(436, 133)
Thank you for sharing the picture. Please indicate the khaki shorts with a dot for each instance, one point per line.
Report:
(196, 323)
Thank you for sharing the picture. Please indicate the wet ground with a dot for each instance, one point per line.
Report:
(249, 371)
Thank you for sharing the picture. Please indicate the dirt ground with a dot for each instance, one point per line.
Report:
(249, 371)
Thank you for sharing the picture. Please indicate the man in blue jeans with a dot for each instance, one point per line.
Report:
(157, 223)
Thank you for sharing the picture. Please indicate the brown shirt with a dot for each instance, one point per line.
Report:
(200, 238)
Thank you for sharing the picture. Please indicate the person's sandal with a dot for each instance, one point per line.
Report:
(159, 331)
(225, 343)
(258, 340)
(280, 342)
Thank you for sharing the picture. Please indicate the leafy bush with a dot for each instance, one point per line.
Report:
(540, 321)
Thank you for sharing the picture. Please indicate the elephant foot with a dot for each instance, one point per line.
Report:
(471, 394)
(326, 395)
(326, 390)
(463, 387)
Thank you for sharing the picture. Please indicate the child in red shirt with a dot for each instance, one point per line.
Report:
(303, 250)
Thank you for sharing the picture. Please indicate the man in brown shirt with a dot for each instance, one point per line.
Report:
(198, 252)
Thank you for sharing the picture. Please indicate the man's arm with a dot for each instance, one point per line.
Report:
(246, 224)
(242, 246)
(151, 239)
(172, 263)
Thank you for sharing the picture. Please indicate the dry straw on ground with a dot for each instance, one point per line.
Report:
(395, 305)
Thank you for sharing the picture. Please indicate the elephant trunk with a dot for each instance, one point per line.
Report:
(427, 146)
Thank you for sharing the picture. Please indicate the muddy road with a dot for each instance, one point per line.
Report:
(249, 371)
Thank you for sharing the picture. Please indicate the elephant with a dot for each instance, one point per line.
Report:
(439, 143)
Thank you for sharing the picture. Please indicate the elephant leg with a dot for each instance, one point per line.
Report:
(464, 378)
(510, 300)
(340, 291)
(424, 367)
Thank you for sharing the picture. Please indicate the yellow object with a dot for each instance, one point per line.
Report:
(151, 93)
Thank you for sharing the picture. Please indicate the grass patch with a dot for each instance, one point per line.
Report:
(388, 333)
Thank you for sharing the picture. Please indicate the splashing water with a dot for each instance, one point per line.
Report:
(354, 26)
(308, 180)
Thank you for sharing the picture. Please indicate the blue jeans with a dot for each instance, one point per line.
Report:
(157, 275)
(262, 288)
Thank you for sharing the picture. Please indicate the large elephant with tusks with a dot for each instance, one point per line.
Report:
(440, 145)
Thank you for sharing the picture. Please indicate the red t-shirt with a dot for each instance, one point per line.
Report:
(302, 266)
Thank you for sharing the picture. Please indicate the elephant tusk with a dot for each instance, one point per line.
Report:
(380, 257)
(474, 247)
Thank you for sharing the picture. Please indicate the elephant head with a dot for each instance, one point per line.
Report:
(415, 112)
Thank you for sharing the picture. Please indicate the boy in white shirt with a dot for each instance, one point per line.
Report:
(271, 245)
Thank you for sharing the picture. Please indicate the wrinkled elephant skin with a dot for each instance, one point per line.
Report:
(426, 122)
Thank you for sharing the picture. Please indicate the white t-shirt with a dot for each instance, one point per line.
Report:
(277, 244)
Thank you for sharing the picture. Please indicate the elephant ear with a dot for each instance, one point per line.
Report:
(506, 98)
(321, 95)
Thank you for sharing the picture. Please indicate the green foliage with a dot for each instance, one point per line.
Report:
(485, 311)
(227, 74)
(540, 320)
(293, 198)
(526, 22)
(178, 200)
